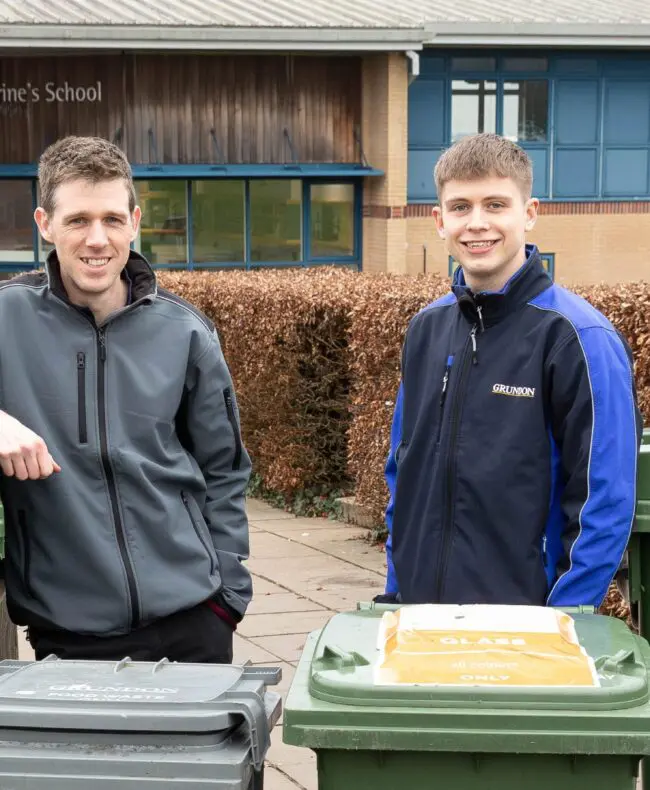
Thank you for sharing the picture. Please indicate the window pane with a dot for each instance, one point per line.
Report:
(16, 222)
(332, 220)
(473, 107)
(525, 64)
(276, 211)
(163, 230)
(473, 64)
(218, 221)
(525, 110)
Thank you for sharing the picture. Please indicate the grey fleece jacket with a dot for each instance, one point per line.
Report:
(146, 517)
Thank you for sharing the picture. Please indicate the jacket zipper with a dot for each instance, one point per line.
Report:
(110, 480)
(447, 530)
(443, 396)
(81, 397)
(27, 555)
(186, 503)
(232, 419)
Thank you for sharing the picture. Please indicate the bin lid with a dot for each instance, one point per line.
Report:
(343, 671)
(126, 696)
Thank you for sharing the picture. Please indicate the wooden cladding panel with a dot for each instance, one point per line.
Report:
(249, 102)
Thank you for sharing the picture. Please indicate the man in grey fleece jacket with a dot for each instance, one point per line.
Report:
(122, 469)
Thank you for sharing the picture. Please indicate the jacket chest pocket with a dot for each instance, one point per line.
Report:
(82, 419)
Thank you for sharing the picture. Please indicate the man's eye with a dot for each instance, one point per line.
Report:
(113, 220)
(495, 206)
(460, 207)
(77, 221)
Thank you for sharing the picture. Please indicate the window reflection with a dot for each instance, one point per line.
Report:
(218, 221)
(473, 107)
(163, 229)
(525, 110)
(275, 212)
(16, 222)
(332, 220)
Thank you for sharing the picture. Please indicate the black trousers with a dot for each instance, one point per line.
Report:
(196, 635)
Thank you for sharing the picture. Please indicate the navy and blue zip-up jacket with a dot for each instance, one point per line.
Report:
(512, 469)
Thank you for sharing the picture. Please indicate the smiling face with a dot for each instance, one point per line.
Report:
(484, 224)
(91, 228)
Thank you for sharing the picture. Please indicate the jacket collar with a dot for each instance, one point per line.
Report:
(529, 281)
(138, 272)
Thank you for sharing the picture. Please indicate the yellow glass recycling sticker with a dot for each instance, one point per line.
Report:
(481, 645)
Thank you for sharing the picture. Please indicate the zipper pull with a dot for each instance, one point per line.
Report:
(445, 381)
(472, 334)
(479, 310)
(81, 360)
(102, 344)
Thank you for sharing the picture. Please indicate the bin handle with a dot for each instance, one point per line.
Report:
(250, 706)
(342, 658)
(615, 662)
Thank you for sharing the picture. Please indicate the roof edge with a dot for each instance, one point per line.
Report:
(152, 37)
(573, 34)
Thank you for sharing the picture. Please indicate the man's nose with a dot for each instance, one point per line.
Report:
(477, 219)
(97, 235)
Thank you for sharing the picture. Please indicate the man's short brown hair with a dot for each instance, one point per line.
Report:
(92, 159)
(481, 156)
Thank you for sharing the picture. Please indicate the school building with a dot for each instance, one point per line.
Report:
(266, 133)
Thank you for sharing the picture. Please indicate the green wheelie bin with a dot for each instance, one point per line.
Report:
(383, 737)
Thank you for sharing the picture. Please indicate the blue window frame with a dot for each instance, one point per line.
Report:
(329, 228)
(592, 144)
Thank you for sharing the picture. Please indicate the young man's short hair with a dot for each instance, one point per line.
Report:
(484, 155)
(91, 159)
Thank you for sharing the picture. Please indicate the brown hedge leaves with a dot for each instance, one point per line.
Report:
(285, 337)
(315, 357)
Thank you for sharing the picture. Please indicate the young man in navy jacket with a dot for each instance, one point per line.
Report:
(512, 469)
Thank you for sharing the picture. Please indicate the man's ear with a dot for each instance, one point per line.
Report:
(437, 216)
(43, 222)
(135, 221)
(532, 207)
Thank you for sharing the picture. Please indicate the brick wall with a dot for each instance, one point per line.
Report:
(592, 242)
(384, 136)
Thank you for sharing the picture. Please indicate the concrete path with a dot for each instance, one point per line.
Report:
(304, 570)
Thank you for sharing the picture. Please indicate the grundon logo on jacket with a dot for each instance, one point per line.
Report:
(514, 392)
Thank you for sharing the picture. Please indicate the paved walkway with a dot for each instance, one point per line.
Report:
(304, 570)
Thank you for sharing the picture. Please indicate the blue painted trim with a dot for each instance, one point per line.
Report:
(198, 266)
(18, 266)
(248, 234)
(18, 171)
(189, 226)
(307, 170)
(357, 225)
(305, 225)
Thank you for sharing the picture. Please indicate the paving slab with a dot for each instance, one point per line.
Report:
(256, 510)
(256, 625)
(275, 603)
(266, 546)
(298, 763)
(287, 647)
(244, 650)
(275, 780)
(262, 586)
